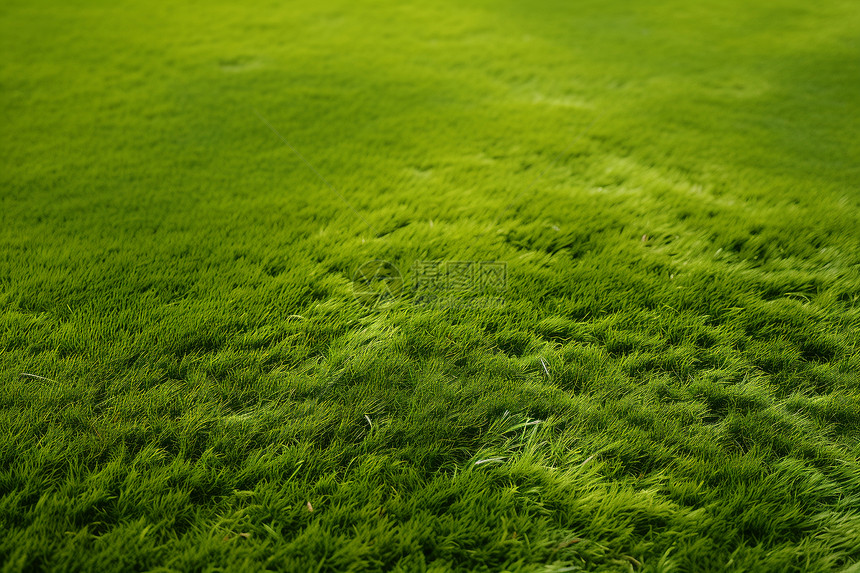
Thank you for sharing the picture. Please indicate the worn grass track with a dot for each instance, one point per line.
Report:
(671, 381)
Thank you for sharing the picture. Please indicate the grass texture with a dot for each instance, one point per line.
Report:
(670, 383)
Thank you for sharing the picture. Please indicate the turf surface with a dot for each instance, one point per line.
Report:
(669, 379)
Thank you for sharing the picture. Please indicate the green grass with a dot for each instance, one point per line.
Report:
(672, 382)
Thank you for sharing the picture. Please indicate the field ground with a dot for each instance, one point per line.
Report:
(667, 378)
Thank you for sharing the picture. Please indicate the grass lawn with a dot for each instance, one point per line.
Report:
(617, 327)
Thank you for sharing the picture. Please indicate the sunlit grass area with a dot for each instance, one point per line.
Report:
(203, 368)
